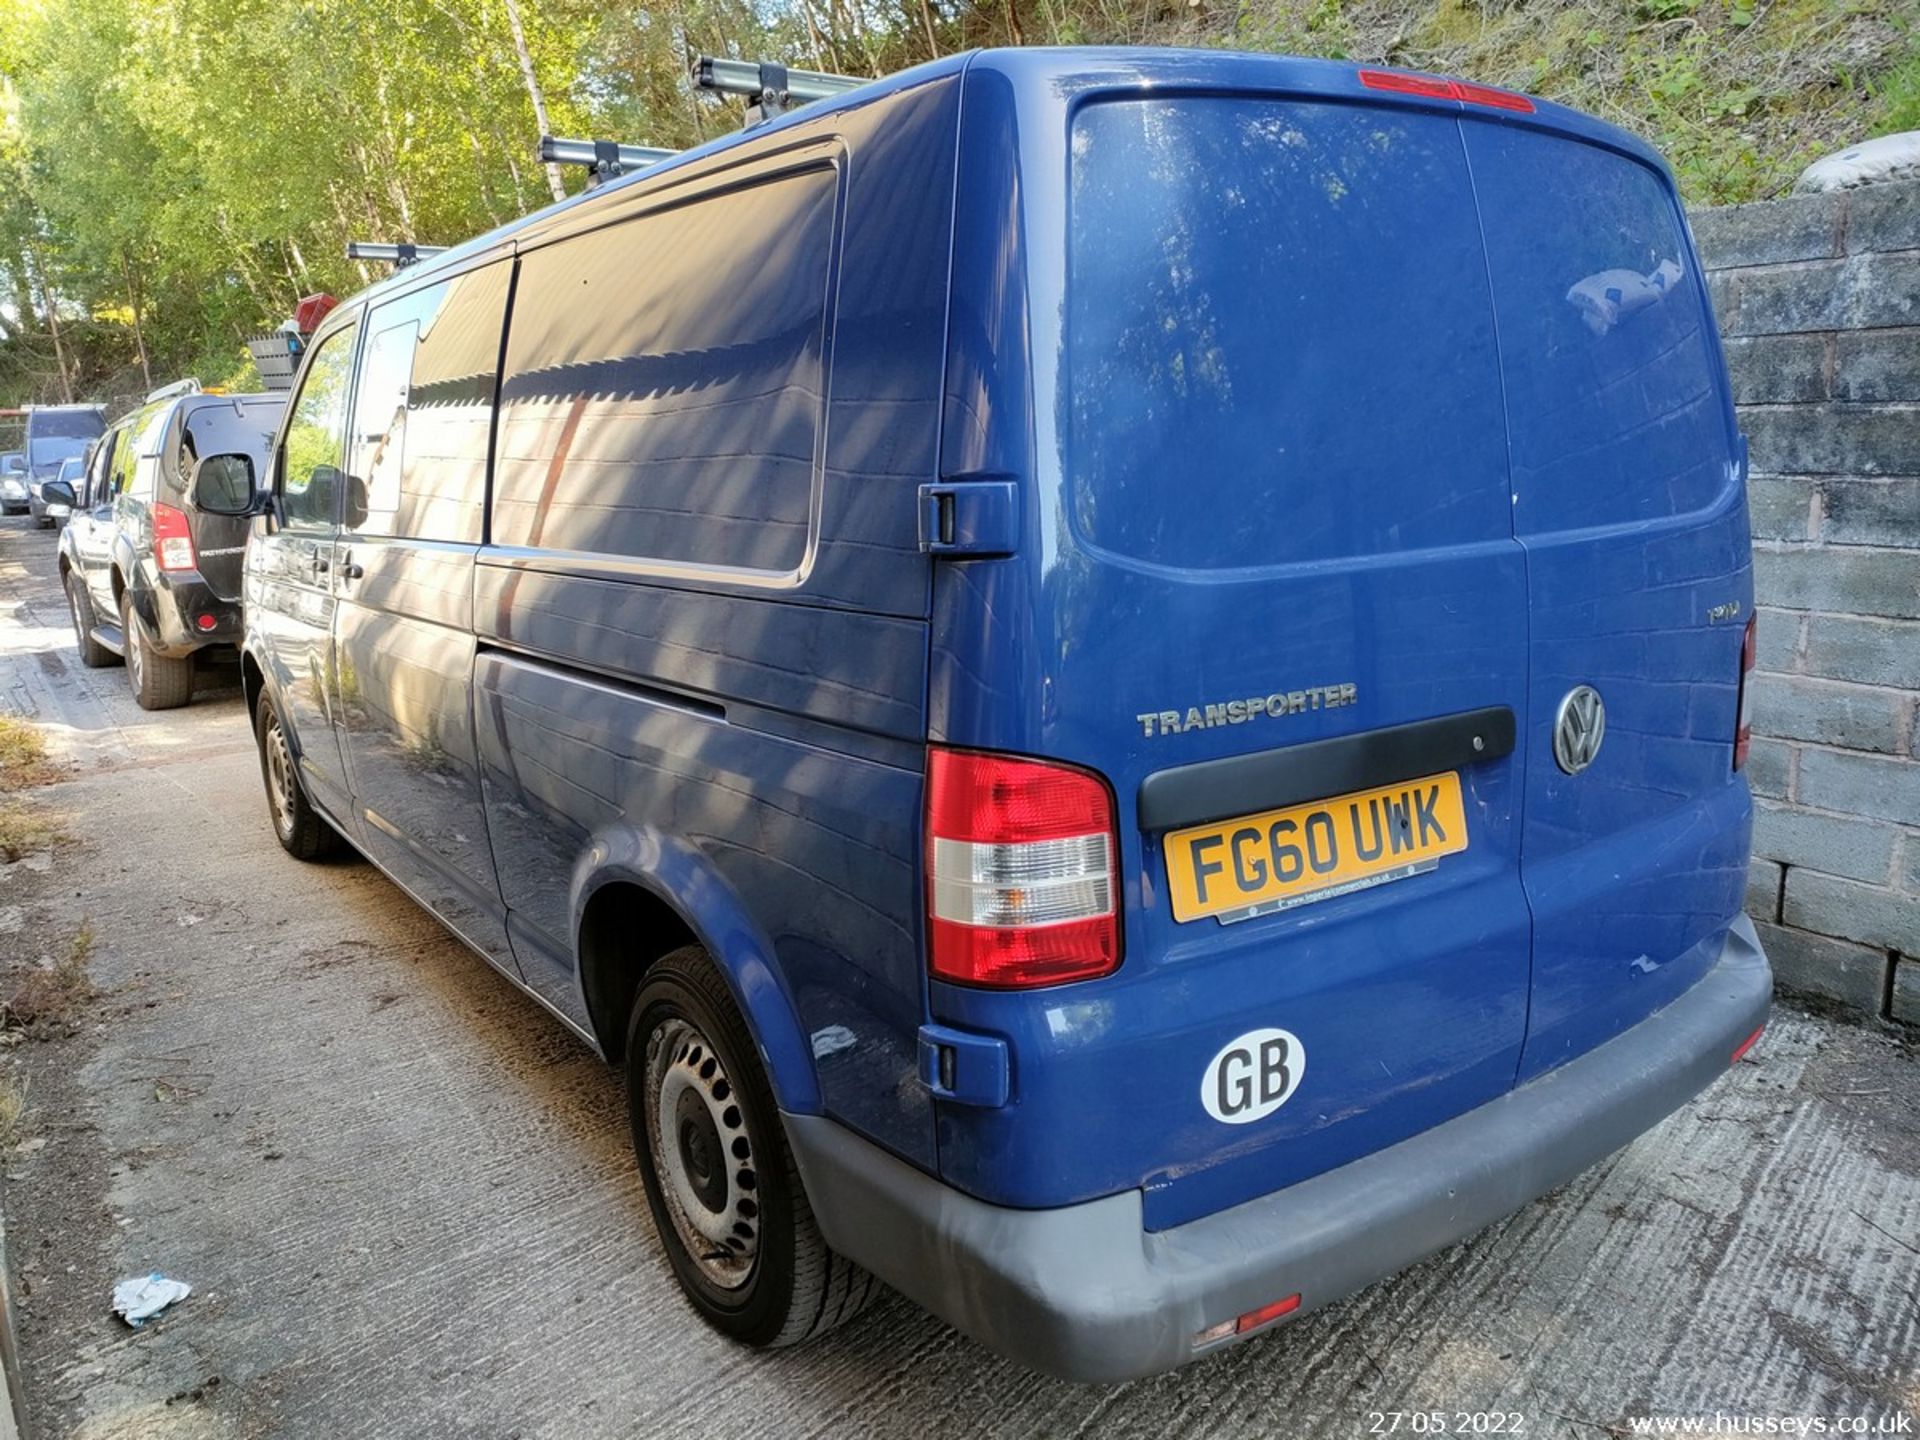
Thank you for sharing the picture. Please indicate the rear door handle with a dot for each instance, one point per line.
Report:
(351, 571)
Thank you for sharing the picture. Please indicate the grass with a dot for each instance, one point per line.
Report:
(23, 762)
(26, 832)
(23, 753)
(13, 1110)
(1739, 95)
(52, 995)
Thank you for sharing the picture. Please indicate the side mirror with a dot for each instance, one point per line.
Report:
(223, 485)
(57, 492)
(356, 515)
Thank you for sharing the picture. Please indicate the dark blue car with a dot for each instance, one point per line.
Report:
(1115, 677)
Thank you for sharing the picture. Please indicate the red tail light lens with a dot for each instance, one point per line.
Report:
(172, 540)
(1022, 880)
(1743, 727)
(1434, 88)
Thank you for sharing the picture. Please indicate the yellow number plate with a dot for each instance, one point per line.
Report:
(1237, 869)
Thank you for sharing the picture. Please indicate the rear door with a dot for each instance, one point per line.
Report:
(92, 522)
(1282, 521)
(1628, 496)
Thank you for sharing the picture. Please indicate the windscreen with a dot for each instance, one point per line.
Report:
(67, 424)
(1279, 335)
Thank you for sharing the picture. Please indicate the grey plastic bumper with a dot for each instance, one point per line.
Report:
(1087, 1293)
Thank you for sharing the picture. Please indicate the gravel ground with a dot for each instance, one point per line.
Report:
(407, 1204)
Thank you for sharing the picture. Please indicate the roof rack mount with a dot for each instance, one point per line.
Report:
(771, 88)
(399, 256)
(605, 159)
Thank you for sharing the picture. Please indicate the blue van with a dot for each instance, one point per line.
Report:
(1116, 678)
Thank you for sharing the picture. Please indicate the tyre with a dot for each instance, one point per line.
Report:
(93, 654)
(724, 1190)
(297, 825)
(159, 682)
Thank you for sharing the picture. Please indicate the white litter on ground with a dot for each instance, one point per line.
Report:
(145, 1296)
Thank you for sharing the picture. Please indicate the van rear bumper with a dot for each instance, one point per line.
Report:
(1087, 1293)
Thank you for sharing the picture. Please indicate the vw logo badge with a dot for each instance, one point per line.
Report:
(1578, 729)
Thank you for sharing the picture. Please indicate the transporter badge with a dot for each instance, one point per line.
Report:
(1274, 706)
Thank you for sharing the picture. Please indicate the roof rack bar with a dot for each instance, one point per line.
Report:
(771, 87)
(399, 256)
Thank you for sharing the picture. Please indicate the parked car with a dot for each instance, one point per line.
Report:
(72, 475)
(55, 434)
(152, 574)
(49, 513)
(1103, 672)
(13, 482)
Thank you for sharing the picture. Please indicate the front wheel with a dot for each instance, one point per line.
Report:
(724, 1190)
(300, 829)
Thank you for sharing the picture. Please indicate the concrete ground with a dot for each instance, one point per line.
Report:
(406, 1201)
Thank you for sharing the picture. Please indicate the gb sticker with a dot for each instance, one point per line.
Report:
(1253, 1077)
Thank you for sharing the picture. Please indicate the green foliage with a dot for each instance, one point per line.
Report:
(175, 174)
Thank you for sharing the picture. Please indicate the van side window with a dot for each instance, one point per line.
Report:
(423, 416)
(665, 381)
(310, 474)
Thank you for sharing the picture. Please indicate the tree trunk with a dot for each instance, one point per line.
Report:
(133, 304)
(533, 92)
(53, 326)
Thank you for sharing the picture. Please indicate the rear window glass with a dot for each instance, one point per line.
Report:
(233, 429)
(1279, 336)
(665, 382)
(1612, 370)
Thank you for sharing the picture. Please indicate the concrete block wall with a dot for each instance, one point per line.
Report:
(1818, 298)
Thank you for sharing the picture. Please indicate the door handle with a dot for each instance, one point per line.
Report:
(321, 564)
(351, 571)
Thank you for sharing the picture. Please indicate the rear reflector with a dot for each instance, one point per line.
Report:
(206, 622)
(1745, 1045)
(1021, 881)
(1252, 1320)
(1435, 88)
(1743, 726)
(172, 540)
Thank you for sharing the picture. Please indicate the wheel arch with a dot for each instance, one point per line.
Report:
(638, 895)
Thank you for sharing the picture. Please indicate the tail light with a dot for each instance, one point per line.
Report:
(1022, 885)
(1743, 727)
(172, 540)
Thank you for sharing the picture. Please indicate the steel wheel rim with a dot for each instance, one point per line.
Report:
(279, 779)
(715, 1208)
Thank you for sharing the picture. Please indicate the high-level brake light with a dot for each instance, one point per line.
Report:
(1022, 884)
(1434, 87)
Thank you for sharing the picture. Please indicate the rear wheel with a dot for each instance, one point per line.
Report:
(301, 831)
(159, 682)
(725, 1193)
(93, 654)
